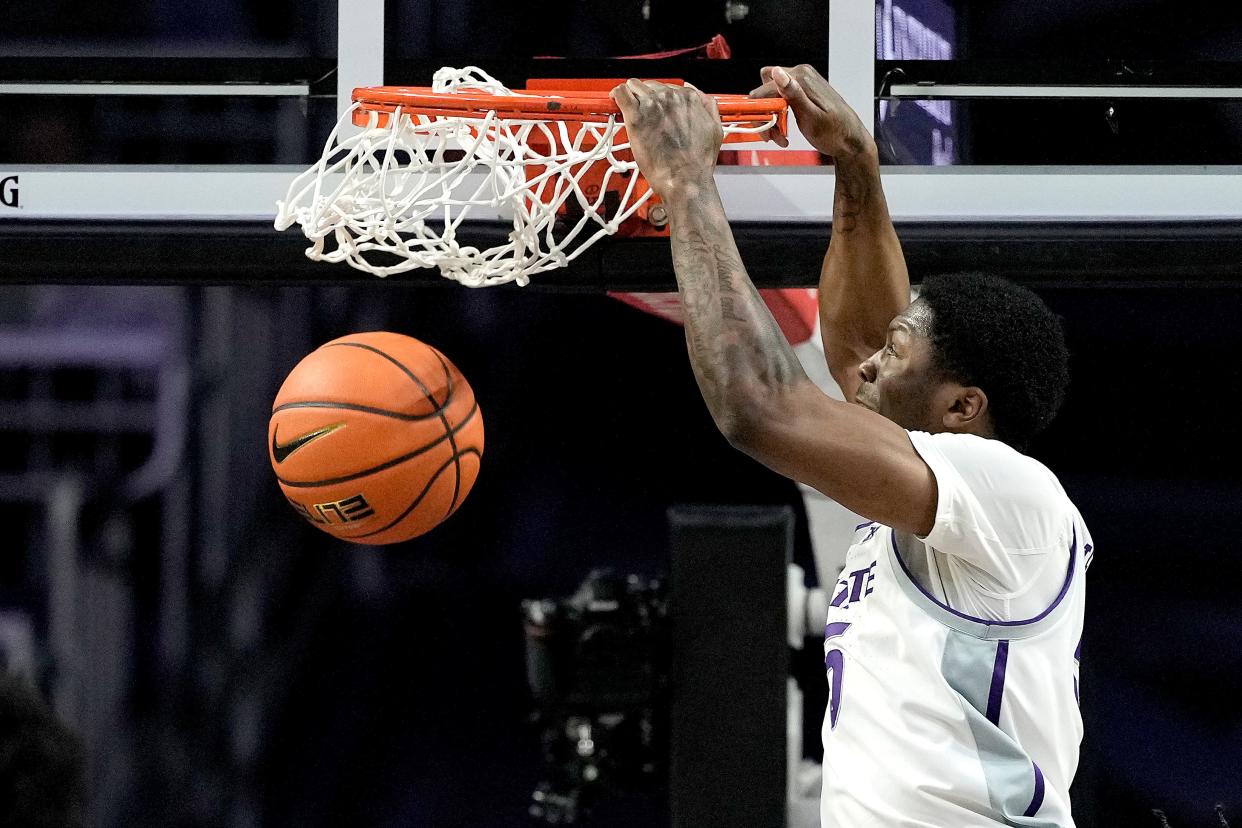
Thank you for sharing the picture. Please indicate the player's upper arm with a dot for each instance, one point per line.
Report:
(858, 458)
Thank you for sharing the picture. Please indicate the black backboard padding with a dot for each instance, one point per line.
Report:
(730, 665)
(1052, 254)
(168, 70)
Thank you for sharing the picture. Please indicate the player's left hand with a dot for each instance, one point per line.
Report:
(674, 133)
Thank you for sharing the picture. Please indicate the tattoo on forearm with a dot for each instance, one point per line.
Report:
(734, 342)
(855, 186)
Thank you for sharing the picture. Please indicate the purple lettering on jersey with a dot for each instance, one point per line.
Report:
(871, 526)
(834, 665)
(997, 691)
(1038, 798)
(851, 586)
(858, 576)
(835, 628)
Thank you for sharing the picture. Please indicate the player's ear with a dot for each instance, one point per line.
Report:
(967, 409)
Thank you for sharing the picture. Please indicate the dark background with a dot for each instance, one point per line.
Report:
(247, 670)
(387, 687)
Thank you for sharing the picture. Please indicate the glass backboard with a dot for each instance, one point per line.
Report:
(189, 124)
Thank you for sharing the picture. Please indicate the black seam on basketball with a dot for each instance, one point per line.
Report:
(366, 409)
(447, 435)
(448, 375)
(456, 458)
(427, 392)
(413, 377)
(449, 430)
(448, 382)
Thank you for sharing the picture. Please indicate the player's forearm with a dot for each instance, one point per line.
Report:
(739, 355)
(864, 282)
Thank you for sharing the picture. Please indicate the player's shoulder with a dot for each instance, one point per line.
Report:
(992, 469)
(993, 499)
(969, 451)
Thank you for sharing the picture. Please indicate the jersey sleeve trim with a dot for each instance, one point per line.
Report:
(983, 627)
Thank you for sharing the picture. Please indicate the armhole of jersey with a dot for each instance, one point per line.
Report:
(983, 627)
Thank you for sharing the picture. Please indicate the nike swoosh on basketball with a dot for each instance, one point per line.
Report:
(282, 451)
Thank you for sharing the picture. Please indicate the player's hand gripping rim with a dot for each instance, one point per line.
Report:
(674, 132)
(823, 116)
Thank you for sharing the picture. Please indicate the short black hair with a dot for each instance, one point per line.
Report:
(41, 766)
(999, 336)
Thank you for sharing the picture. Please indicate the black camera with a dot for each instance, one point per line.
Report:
(597, 664)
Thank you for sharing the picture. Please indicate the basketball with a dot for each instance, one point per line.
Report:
(375, 438)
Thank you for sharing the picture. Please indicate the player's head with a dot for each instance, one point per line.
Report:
(41, 784)
(975, 354)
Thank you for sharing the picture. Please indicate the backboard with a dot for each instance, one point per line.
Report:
(995, 128)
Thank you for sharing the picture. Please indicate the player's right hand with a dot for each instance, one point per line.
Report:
(823, 116)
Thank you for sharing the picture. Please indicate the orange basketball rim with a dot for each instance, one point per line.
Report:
(552, 160)
(554, 99)
(576, 102)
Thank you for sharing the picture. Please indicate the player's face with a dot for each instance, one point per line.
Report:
(899, 380)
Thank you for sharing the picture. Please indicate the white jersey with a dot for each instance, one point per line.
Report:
(952, 661)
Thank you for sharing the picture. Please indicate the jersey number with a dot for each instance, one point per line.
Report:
(834, 663)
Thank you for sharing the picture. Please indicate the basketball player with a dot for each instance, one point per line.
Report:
(952, 636)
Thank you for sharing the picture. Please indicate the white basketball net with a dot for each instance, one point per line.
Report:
(393, 198)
